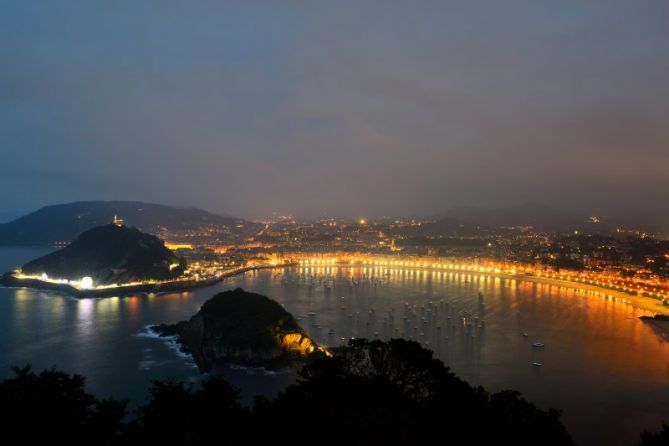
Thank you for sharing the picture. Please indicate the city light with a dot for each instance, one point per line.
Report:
(86, 283)
(493, 267)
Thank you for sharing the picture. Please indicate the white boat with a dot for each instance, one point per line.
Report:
(538, 345)
(537, 364)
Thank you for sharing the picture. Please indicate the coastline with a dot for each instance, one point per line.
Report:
(639, 302)
(643, 303)
(9, 281)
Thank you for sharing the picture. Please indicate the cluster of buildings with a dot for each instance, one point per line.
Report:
(630, 261)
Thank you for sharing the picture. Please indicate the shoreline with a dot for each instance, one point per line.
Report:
(643, 303)
(639, 302)
(9, 281)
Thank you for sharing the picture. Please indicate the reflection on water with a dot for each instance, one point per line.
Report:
(599, 361)
(605, 368)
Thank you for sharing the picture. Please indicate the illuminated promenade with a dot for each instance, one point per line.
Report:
(86, 288)
(643, 296)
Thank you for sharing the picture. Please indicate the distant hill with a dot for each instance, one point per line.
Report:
(10, 216)
(110, 254)
(539, 216)
(63, 222)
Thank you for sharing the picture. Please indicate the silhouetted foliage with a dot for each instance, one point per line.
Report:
(176, 414)
(660, 438)
(390, 392)
(370, 392)
(52, 407)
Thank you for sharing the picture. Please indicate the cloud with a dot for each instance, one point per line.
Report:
(347, 108)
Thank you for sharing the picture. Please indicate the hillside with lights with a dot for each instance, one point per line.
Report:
(108, 255)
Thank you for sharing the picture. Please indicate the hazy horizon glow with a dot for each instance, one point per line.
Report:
(343, 108)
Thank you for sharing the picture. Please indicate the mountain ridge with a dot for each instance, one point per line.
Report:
(64, 222)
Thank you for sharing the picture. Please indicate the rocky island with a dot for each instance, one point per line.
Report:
(238, 327)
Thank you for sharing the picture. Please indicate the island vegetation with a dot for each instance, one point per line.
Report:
(242, 328)
(110, 254)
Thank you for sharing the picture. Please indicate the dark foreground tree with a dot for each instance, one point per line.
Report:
(660, 438)
(52, 407)
(176, 414)
(391, 392)
(370, 392)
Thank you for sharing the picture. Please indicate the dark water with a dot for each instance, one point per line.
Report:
(106, 339)
(607, 370)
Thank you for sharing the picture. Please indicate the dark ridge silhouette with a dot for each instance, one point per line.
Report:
(63, 222)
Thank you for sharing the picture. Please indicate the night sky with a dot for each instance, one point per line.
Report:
(336, 107)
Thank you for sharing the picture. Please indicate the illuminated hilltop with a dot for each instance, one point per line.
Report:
(109, 254)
